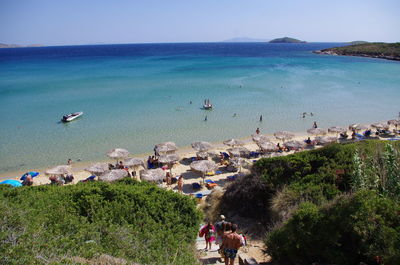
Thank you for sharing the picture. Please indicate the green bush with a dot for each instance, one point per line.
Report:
(351, 229)
(135, 221)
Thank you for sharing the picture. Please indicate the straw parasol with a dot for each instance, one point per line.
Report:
(379, 125)
(267, 146)
(336, 129)
(203, 166)
(283, 135)
(322, 140)
(238, 151)
(238, 162)
(59, 170)
(113, 175)
(295, 144)
(167, 147)
(260, 138)
(133, 162)
(170, 160)
(393, 122)
(316, 131)
(358, 127)
(202, 155)
(117, 153)
(153, 175)
(97, 168)
(201, 146)
(233, 142)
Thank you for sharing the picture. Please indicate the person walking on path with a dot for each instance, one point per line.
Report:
(208, 232)
(219, 228)
(230, 244)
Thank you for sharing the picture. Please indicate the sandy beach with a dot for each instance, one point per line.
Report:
(181, 168)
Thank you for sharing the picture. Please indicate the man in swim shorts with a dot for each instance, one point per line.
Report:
(230, 244)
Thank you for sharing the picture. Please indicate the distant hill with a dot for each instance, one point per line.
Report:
(245, 39)
(358, 42)
(286, 40)
(390, 51)
(3, 45)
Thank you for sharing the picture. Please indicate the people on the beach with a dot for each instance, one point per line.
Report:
(343, 135)
(168, 179)
(180, 184)
(258, 131)
(315, 125)
(304, 114)
(231, 242)
(120, 165)
(28, 180)
(308, 141)
(69, 162)
(208, 232)
(353, 135)
(260, 118)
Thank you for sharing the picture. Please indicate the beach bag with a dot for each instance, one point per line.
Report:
(201, 233)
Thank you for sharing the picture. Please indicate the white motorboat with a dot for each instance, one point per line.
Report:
(71, 116)
(207, 104)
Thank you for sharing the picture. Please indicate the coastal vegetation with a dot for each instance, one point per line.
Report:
(286, 40)
(133, 221)
(336, 205)
(389, 51)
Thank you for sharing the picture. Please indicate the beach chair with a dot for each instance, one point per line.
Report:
(210, 173)
(360, 137)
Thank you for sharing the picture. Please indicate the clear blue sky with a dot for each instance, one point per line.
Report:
(62, 22)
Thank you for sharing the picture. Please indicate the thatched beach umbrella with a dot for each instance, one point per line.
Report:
(59, 170)
(233, 142)
(322, 140)
(394, 122)
(380, 126)
(283, 135)
(267, 146)
(336, 129)
(97, 168)
(295, 144)
(203, 166)
(153, 175)
(113, 175)
(238, 151)
(133, 162)
(358, 127)
(118, 153)
(170, 160)
(202, 155)
(201, 146)
(316, 131)
(166, 148)
(238, 162)
(260, 138)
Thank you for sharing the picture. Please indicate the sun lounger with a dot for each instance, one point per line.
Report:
(218, 172)
(210, 186)
(209, 181)
(211, 173)
(360, 136)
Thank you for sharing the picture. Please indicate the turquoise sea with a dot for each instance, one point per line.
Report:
(134, 96)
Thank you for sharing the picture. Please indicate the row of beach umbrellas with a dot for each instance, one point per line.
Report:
(167, 151)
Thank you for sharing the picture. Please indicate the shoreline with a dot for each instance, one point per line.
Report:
(331, 52)
(184, 151)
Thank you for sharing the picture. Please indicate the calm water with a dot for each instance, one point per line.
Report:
(134, 96)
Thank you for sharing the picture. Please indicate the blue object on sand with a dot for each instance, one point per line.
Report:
(12, 182)
(199, 195)
(196, 186)
(209, 181)
(32, 173)
(218, 172)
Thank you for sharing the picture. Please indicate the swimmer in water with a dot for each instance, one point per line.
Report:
(205, 119)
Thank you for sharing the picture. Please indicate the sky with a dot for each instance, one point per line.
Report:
(74, 22)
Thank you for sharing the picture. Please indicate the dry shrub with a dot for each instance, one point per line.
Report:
(211, 207)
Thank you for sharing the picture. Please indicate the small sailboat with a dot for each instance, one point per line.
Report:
(207, 104)
(71, 116)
